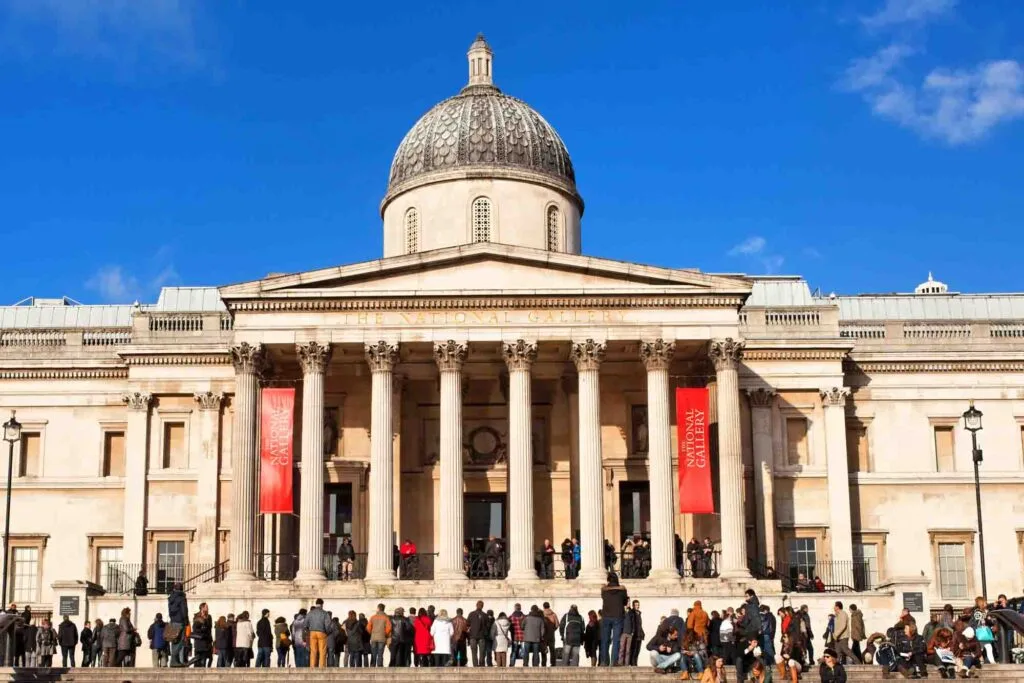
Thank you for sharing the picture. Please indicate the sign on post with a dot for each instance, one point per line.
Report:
(913, 602)
(69, 605)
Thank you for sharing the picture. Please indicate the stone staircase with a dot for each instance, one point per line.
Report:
(999, 672)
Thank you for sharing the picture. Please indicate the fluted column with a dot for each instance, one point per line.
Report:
(761, 401)
(840, 527)
(250, 361)
(381, 358)
(450, 356)
(519, 357)
(657, 356)
(314, 358)
(587, 356)
(726, 354)
(136, 464)
(208, 484)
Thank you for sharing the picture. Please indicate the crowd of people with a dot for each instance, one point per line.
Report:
(760, 644)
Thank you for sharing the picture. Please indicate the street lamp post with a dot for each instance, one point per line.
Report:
(972, 423)
(12, 434)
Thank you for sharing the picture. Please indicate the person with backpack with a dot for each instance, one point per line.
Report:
(157, 642)
(282, 641)
(571, 630)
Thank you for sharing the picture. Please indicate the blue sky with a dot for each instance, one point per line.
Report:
(860, 144)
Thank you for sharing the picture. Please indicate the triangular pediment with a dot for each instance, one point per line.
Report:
(486, 269)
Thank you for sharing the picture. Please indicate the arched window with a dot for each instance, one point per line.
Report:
(481, 219)
(412, 231)
(554, 220)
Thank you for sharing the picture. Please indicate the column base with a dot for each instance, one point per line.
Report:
(735, 575)
(593, 577)
(664, 576)
(315, 576)
(450, 576)
(240, 576)
(522, 576)
(380, 576)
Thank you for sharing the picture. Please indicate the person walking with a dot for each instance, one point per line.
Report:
(477, 622)
(316, 626)
(67, 637)
(108, 642)
(264, 640)
(441, 631)
(571, 630)
(857, 633)
(46, 644)
(85, 638)
(501, 637)
(423, 643)
(282, 640)
(613, 606)
(157, 642)
(379, 627)
(177, 615)
(841, 634)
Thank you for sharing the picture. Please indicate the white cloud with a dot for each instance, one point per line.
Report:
(125, 32)
(896, 12)
(749, 246)
(114, 285)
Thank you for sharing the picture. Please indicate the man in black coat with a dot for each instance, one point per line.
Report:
(67, 638)
(264, 640)
(477, 622)
(177, 615)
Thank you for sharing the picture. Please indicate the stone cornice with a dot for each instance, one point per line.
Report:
(794, 354)
(180, 359)
(917, 367)
(63, 373)
(695, 300)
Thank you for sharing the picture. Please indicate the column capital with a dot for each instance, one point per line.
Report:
(209, 400)
(249, 358)
(834, 396)
(137, 400)
(587, 355)
(762, 397)
(450, 355)
(381, 356)
(656, 354)
(726, 353)
(313, 356)
(519, 355)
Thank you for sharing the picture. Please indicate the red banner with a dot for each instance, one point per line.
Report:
(694, 460)
(277, 426)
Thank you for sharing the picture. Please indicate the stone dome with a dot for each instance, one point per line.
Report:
(481, 132)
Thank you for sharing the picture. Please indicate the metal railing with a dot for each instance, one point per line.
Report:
(277, 566)
(818, 577)
(702, 564)
(123, 578)
(484, 566)
(351, 568)
(415, 567)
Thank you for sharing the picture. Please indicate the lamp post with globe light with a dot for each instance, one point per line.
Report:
(12, 434)
(972, 423)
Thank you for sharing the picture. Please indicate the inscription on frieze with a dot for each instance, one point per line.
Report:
(484, 318)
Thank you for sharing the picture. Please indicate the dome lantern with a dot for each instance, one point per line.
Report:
(481, 58)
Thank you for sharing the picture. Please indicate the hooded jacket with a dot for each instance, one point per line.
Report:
(533, 627)
(698, 621)
(177, 607)
(572, 627)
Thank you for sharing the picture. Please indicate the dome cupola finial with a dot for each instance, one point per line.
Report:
(480, 61)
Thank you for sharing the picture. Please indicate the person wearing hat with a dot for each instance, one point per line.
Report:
(831, 669)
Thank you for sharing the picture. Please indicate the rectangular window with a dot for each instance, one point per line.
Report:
(107, 574)
(174, 446)
(28, 461)
(25, 575)
(953, 570)
(170, 564)
(865, 566)
(857, 448)
(944, 449)
(803, 557)
(113, 454)
(796, 441)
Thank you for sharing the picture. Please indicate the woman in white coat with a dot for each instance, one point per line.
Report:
(441, 631)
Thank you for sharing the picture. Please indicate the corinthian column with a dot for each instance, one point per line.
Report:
(381, 358)
(834, 401)
(450, 356)
(519, 356)
(136, 462)
(761, 401)
(314, 359)
(250, 361)
(587, 356)
(208, 484)
(726, 354)
(656, 356)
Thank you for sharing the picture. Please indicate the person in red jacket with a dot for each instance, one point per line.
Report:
(423, 643)
(407, 559)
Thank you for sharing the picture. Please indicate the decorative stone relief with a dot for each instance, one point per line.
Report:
(450, 355)
(519, 355)
(137, 400)
(209, 400)
(587, 355)
(726, 353)
(835, 396)
(382, 356)
(657, 354)
(314, 356)
(249, 358)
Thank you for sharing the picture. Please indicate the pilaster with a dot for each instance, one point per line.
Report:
(136, 459)
(761, 402)
(208, 468)
(834, 401)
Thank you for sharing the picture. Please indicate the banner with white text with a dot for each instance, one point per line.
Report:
(277, 415)
(695, 494)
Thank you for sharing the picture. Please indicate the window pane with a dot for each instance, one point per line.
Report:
(25, 574)
(29, 464)
(803, 557)
(113, 454)
(796, 441)
(944, 449)
(170, 563)
(482, 220)
(174, 445)
(952, 570)
(865, 571)
(107, 560)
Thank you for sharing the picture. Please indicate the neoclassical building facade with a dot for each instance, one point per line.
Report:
(485, 378)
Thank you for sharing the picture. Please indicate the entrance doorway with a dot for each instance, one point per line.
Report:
(337, 525)
(634, 510)
(485, 516)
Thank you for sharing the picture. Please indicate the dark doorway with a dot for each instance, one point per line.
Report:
(485, 514)
(634, 509)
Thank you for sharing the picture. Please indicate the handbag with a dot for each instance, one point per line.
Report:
(172, 632)
(984, 634)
